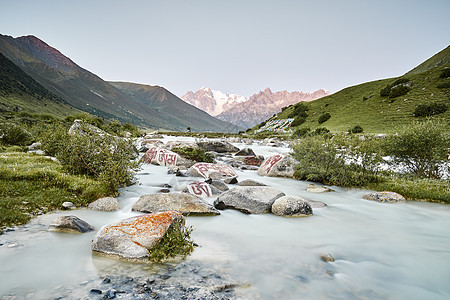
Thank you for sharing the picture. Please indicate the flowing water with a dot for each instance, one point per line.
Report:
(381, 251)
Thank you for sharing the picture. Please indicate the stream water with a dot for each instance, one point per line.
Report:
(381, 251)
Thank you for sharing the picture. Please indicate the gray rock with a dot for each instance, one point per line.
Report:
(278, 166)
(232, 180)
(327, 257)
(316, 204)
(251, 182)
(312, 188)
(291, 206)
(186, 204)
(214, 190)
(245, 152)
(249, 199)
(385, 197)
(70, 224)
(217, 146)
(105, 204)
(35, 146)
(68, 205)
(133, 238)
(219, 184)
(184, 162)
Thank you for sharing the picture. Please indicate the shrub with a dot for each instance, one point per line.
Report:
(420, 148)
(298, 121)
(384, 92)
(400, 81)
(324, 117)
(398, 90)
(425, 110)
(194, 154)
(302, 132)
(444, 85)
(299, 109)
(356, 129)
(13, 134)
(445, 73)
(320, 131)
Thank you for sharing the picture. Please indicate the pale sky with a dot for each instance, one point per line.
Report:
(237, 46)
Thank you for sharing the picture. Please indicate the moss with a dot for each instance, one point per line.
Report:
(195, 154)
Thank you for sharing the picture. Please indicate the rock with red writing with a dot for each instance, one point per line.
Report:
(209, 170)
(249, 199)
(278, 166)
(186, 204)
(133, 238)
(201, 189)
(159, 156)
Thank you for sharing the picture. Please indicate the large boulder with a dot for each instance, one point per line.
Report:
(291, 206)
(384, 197)
(217, 146)
(251, 182)
(105, 204)
(209, 170)
(278, 166)
(249, 199)
(245, 152)
(159, 156)
(200, 189)
(70, 224)
(133, 238)
(184, 203)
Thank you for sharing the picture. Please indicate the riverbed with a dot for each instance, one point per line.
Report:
(381, 251)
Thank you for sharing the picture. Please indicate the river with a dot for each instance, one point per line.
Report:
(381, 251)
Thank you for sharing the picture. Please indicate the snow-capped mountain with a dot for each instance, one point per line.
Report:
(211, 101)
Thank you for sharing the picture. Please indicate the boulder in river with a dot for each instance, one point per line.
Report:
(159, 156)
(278, 166)
(184, 203)
(249, 199)
(217, 146)
(245, 152)
(70, 224)
(312, 188)
(209, 170)
(105, 204)
(133, 238)
(219, 184)
(251, 182)
(384, 197)
(291, 206)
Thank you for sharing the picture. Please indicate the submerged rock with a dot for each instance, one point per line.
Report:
(278, 166)
(70, 224)
(251, 182)
(133, 238)
(217, 146)
(385, 197)
(184, 203)
(249, 199)
(327, 257)
(316, 204)
(291, 206)
(312, 188)
(68, 205)
(105, 204)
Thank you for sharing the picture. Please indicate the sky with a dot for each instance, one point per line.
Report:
(237, 46)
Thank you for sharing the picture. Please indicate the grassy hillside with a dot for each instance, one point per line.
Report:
(362, 104)
(439, 59)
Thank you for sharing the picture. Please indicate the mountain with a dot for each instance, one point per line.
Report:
(364, 105)
(265, 104)
(172, 109)
(88, 92)
(20, 92)
(439, 59)
(211, 101)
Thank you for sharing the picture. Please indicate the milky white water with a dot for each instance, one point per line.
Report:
(382, 251)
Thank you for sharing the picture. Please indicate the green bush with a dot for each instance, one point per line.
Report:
(445, 73)
(13, 134)
(420, 147)
(300, 109)
(195, 154)
(444, 85)
(398, 90)
(320, 131)
(302, 132)
(298, 121)
(425, 110)
(356, 129)
(384, 92)
(324, 117)
(400, 81)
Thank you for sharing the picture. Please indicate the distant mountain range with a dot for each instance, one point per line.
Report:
(247, 112)
(72, 85)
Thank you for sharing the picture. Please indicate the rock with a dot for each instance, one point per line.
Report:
(232, 180)
(384, 197)
(35, 146)
(254, 160)
(200, 189)
(68, 205)
(245, 152)
(249, 199)
(278, 166)
(316, 204)
(159, 156)
(184, 162)
(327, 257)
(76, 128)
(251, 182)
(312, 188)
(133, 238)
(217, 146)
(219, 184)
(186, 204)
(215, 191)
(70, 224)
(105, 204)
(209, 170)
(291, 206)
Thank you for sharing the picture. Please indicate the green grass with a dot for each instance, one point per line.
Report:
(30, 184)
(363, 105)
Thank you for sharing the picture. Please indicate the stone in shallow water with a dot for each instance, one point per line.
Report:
(291, 206)
(209, 170)
(133, 238)
(385, 197)
(278, 166)
(70, 224)
(312, 188)
(251, 182)
(105, 204)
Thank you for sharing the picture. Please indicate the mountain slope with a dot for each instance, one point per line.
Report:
(362, 104)
(212, 101)
(172, 109)
(439, 59)
(20, 92)
(88, 92)
(263, 105)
